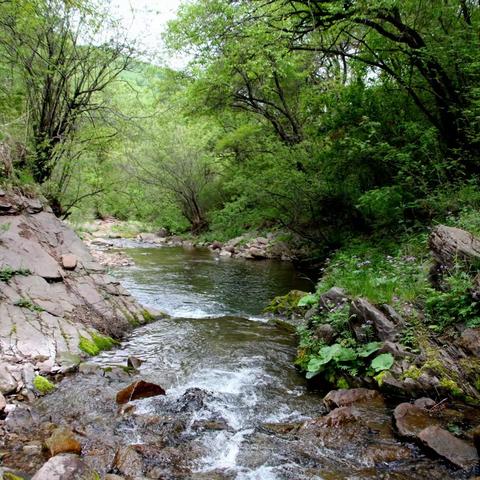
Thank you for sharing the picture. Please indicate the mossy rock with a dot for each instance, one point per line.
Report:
(96, 344)
(43, 385)
(287, 305)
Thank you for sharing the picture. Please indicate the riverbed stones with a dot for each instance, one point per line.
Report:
(63, 467)
(63, 440)
(137, 390)
(346, 397)
(455, 450)
(410, 420)
(128, 462)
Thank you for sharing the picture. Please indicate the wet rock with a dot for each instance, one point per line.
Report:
(410, 420)
(193, 399)
(63, 440)
(7, 383)
(134, 362)
(424, 402)
(366, 313)
(137, 390)
(63, 467)
(326, 333)
(455, 450)
(88, 368)
(449, 244)
(281, 428)
(128, 462)
(69, 262)
(470, 340)
(210, 425)
(346, 397)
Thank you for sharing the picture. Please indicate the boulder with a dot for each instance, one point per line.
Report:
(455, 450)
(365, 313)
(3, 403)
(69, 261)
(410, 420)
(128, 462)
(255, 252)
(137, 390)
(346, 397)
(63, 440)
(449, 244)
(63, 467)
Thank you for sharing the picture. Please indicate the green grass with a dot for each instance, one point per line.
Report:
(7, 273)
(382, 273)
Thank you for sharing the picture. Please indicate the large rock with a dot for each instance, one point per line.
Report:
(346, 397)
(455, 450)
(63, 440)
(449, 244)
(65, 467)
(3, 403)
(366, 314)
(410, 420)
(66, 293)
(137, 390)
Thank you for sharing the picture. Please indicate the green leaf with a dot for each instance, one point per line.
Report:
(366, 350)
(382, 362)
(308, 300)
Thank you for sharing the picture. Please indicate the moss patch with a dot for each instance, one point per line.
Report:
(147, 316)
(96, 344)
(43, 385)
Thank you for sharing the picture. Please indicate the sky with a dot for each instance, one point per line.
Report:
(145, 20)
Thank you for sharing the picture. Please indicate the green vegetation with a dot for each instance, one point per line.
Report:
(43, 385)
(26, 303)
(7, 273)
(96, 344)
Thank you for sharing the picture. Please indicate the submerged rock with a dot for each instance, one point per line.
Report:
(134, 362)
(63, 440)
(455, 450)
(137, 390)
(410, 420)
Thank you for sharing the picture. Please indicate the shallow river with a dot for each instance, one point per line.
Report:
(235, 405)
(218, 340)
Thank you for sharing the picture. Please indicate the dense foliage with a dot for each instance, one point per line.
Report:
(324, 119)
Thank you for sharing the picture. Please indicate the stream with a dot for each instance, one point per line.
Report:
(233, 397)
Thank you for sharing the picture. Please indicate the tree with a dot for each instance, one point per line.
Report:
(65, 63)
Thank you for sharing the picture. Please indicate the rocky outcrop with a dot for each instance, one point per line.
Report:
(53, 294)
(449, 244)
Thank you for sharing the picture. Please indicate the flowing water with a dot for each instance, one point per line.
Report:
(233, 397)
(218, 340)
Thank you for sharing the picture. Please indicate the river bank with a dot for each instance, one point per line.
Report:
(235, 407)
